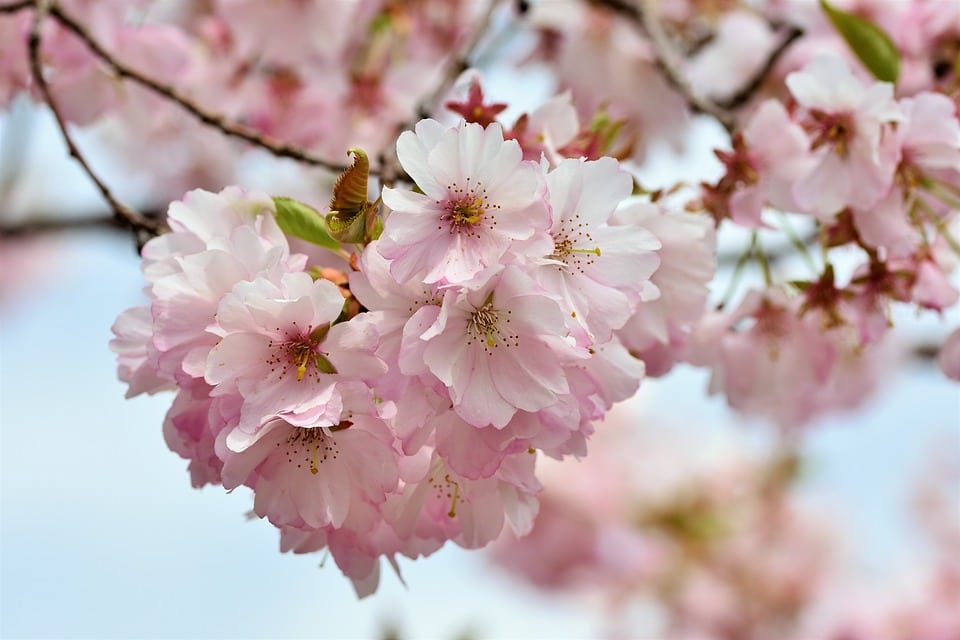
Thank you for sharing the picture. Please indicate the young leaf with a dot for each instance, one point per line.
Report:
(303, 221)
(868, 41)
(346, 220)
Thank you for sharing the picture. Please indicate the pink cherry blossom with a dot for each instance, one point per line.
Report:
(478, 197)
(282, 353)
(775, 158)
(599, 270)
(391, 306)
(498, 350)
(775, 361)
(929, 143)
(444, 505)
(136, 363)
(190, 430)
(315, 476)
(217, 241)
(658, 330)
(851, 138)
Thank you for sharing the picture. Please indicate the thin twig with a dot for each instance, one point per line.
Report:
(623, 7)
(51, 224)
(743, 96)
(208, 117)
(667, 62)
(456, 65)
(665, 58)
(123, 213)
(16, 6)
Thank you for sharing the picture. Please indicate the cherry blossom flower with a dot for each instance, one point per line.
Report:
(771, 359)
(599, 270)
(478, 197)
(217, 240)
(282, 353)
(444, 505)
(498, 350)
(849, 125)
(136, 363)
(314, 476)
(190, 430)
(658, 330)
(765, 163)
(929, 144)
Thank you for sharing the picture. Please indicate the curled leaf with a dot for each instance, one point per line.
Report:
(348, 206)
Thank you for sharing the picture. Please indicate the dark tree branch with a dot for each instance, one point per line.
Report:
(122, 213)
(743, 96)
(669, 64)
(456, 65)
(208, 117)
(665, 57)
(667, 61)
(46, 225)
(17, 6)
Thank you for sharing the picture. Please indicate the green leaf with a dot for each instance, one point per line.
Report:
(868, 41)
(303, 221)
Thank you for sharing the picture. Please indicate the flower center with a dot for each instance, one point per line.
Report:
(466, 207)
(833, 129)
(303, 352)
(310, 447)
(448, 488)
(565, 247)
(466, 212)
(484, 326)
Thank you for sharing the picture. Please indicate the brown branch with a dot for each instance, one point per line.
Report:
(123, 214)
(206, 116)
(623, 7)
(46, 225)
(16, 6)
(743, 96)
(665, 57)
(456, 65)
(666, 60)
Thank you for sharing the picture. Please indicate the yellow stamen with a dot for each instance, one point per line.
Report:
(595, 251)
(453, 503)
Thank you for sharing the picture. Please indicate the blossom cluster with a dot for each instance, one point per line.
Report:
(868, 171)
(393, 402)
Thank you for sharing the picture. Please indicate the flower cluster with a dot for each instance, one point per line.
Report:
(868, 172)
(390, 409)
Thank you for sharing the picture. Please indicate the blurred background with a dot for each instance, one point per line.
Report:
(102, 535)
